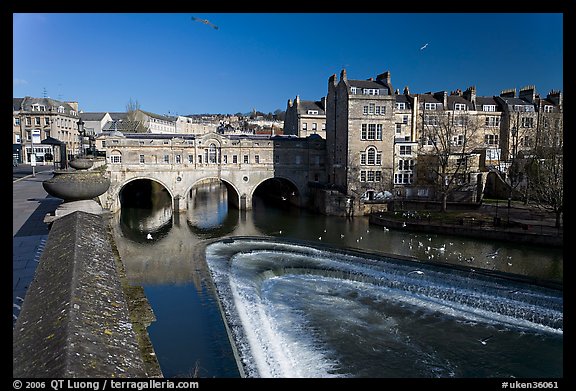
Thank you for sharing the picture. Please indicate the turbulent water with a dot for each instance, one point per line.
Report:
(301, 311)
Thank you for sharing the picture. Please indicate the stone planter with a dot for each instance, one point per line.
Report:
(76, 185)
(81, 163)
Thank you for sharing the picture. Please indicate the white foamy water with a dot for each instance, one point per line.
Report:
(296, 311)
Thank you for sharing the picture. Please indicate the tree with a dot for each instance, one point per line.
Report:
(445, 157)
(545, 167)
(132, 109)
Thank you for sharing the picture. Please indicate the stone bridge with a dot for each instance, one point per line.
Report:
(242, 163)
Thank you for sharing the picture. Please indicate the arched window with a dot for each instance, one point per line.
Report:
(212, 153)
(371, 156)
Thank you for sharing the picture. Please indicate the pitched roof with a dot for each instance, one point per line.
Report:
(96, 116)
(306, 105)
(121, 125)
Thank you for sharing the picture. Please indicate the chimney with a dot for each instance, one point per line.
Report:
(385, 77)
(555, 96)
(74, 105)
(528, 93)
(371, 79)
(343, 75)
(289, 102)
(509, 93)
(323, 103)
(406, 91)
(470, 95)
(443, 97)
(332, 80)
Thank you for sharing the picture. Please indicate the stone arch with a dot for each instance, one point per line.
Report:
(119, 189)
(234, 193)
(291, 194)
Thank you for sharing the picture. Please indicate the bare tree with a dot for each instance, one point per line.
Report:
(445, 158)
(545, 167)
(132, 109)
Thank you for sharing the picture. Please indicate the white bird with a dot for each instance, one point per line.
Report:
(416, 271)
(280, 232)
(319, 237)
(403, 224)
(16, 306)
(341, 236)
(206, 22)
(19, 299)
(424, 47)
(149, 237)
(484, 340)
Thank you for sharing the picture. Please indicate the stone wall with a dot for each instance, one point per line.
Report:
(75, 321)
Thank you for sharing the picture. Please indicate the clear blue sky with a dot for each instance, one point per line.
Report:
(169, 63)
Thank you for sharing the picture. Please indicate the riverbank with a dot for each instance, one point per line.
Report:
(517, 223)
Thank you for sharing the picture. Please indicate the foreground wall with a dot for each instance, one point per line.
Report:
(74, 321)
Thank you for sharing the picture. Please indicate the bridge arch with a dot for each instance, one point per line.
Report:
(122, 187)
(233, 192)
(279, 189)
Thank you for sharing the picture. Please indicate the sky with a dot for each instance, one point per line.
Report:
(171, 64)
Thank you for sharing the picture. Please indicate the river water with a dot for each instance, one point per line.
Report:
(300, 302)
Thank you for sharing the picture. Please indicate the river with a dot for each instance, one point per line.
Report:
(385, 317)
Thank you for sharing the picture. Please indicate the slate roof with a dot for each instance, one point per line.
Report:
(453, 99)
(27, 102)
(306, 105)
(121, 125)
(93, 116)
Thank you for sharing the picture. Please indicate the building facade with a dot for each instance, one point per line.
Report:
(37, 119)
(305, 117)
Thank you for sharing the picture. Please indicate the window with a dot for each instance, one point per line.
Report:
(398, 128)
(178, 159)
(405, 119)
(116, 159)
(460, 120)
(190, 159)
(378, 176)
(212, 152)
(37, 121)
(257, 159)
(488, 107)
(17, 121)
(362, 176)
(353, 90)
(371, 131)
(323, 125)
(312, 112)
(492, 121)
(491, 139)
(403, 179)
(142, 161)
(46, 120)
(371, 108)
(166, 159)
(431, 120)
(246, 159)
(371, 159)
(199, 159)
(400, 106)
(548, 108)
(405, 150)
(405, 165)
(460, 107)
(314, 126)
(458, 140)
(370, 177)
(298, 159)
(365, 110)
(429, 106)
(371, 91)
(234, 159)
(362, 158)
(225, 159)
(527, 122)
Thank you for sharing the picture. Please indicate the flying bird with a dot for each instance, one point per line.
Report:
(424, 47)
(484, 340)
(149, 237)
(206, 22)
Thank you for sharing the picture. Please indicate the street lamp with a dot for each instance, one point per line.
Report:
(80, 124)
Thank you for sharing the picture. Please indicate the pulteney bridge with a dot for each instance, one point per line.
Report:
(243, 163)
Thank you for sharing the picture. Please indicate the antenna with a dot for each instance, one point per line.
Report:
(44, 92)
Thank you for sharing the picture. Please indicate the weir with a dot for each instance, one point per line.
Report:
(281, 300)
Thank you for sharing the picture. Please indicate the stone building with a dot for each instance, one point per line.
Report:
(36, 119)
(305, 117)
(360, 129)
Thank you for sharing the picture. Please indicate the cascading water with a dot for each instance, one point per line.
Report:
(300, 311)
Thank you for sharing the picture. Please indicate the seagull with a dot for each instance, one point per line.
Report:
(149, 237)
(206, 22)
(341, 236)
(16, 306)
(424, 47)
(19, 299)
(484, 340)
(416, 271)
(319, 237)
(493, 254)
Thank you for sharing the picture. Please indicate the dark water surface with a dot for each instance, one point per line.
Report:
(326, 320)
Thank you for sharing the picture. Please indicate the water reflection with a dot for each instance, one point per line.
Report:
(177, 281)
